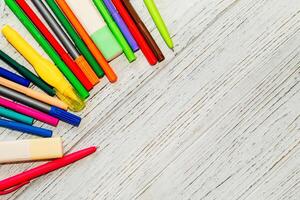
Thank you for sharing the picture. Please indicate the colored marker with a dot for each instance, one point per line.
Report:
(31, 150)
(27, 74)
(29, 112)
(76, 38)
(159, 22)
(17, 126)
(47, 48)
(64, 39)
(14, 77)
(143, 29)
(115, 30)
(13, 183)
(46, 69)
(120, 22)
(94, 24)
(56, 45)
(111, 76)
(51, 110)
(33, 94)
(135, 32)
(10, 114)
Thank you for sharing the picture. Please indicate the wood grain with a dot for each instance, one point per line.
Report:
(218, 119)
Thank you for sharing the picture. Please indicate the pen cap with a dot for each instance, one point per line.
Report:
(96, 27)
(65, 116)
(30, 150)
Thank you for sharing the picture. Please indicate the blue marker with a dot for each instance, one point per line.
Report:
(14, 77)
(25, 128)
(121, 24)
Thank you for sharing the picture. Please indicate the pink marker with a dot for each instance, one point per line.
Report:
(29, 112)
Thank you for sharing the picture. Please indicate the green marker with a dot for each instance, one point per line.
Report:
(83, 93)
(75, 37)
(159, 22)
(9, 114)
(27, 74)
(115, 29)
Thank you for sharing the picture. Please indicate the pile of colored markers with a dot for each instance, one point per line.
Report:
(80, 38)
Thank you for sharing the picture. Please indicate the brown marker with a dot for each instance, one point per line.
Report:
(143, 29)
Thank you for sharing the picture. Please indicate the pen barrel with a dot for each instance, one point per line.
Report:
(153, 45)
(59, 32)
(47, 48)
(32, 93)
(135, 32)
(154, 12)
(51, 110)
(27, 73)
(10, 114)
(21, 98)
(75, 37)
(29, 112)
(27, 51)
(14, 77)
(121, 24)
(159, 22)
(44, 169)
(112, 77)
(115, 30)
(26, 128)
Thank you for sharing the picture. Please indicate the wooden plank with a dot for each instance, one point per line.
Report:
(217, 120)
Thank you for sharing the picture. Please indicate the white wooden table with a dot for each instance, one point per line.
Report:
(218, 119)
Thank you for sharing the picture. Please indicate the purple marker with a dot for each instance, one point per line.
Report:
(123, 27)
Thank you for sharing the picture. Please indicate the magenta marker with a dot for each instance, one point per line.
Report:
(29, 112)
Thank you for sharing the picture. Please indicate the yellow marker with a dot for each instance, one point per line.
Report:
(45, 69)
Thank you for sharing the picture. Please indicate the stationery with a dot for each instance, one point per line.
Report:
(94, 24)
(76, 38)
(47, 48)
(143, 29)
(27, 74)
(111, 76)
(159, 22)
(67, 43)
(25, 128)
(115, 30)
(45, 69)
(33, 94)
(9, 114)
(51, 110)
(13, 183)
(29, 112)
(120, 22)
(135, 32)
(30, 150)
(14, 77)
(56, 45)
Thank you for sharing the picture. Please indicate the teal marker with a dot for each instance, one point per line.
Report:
(9, 114)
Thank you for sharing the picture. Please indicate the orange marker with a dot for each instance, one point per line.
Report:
(112, 77)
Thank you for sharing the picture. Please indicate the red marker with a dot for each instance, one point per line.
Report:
(56, 45)
(135, 32)
(13, 183)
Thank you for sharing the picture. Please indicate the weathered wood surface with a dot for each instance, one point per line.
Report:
(218, 119)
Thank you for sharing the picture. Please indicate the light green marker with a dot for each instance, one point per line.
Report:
(159, 22)
(115, 29)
